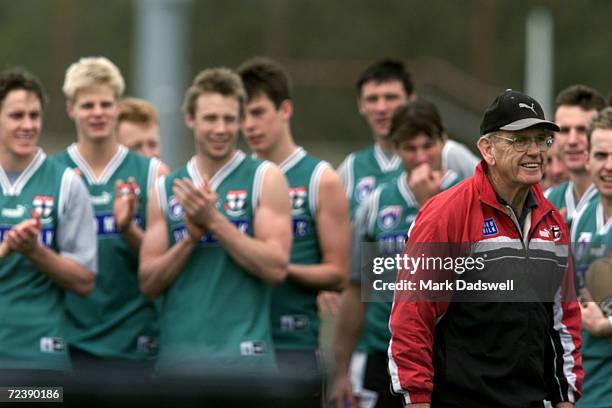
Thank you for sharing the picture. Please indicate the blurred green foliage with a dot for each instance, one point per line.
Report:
(485, 39)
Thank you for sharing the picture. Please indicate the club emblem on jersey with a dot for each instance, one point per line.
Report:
(389, 216)
(298, 197)
(43, 205)
(235, 202)
(175, 209)
(364, 188)
(489, 227)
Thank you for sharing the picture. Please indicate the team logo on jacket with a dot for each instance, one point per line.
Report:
(175, 209)
(364, 188)
(298, 197)
(489, 228)
(235, 202)
(389, 216)
(43, 205)
(555, 230)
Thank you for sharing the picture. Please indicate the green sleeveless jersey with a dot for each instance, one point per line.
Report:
(363, 171)
(216, 314)
(32, 319)
(562, 196)
(295, 317)
(592, 238)
(115, 320)
(391, 210)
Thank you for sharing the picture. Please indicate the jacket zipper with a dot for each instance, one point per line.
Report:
(512, 216)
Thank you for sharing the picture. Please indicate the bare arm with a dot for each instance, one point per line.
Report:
(334, 233)
(350, 322)
(266, 254)
(159, 266)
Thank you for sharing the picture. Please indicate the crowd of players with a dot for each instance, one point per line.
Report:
(109, 258)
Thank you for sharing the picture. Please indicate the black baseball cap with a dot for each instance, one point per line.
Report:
(513, 111)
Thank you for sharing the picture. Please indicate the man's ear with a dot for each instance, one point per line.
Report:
(70, 109)
(587, 162)
(359, 105)
(485, 146)
(286, 107)
(189, 122)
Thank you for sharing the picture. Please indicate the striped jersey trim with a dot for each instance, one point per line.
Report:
(602, 226)
(448, 178)
(405, 191)
(161, 194)
(386, 164)
(260, 173)
(9, 189)
(108, 171)
(373, 204)
(154, 166)
(220, 175)
(345, 171)
(570, 202)
(293, 159)
(313, 187)
(67, 180)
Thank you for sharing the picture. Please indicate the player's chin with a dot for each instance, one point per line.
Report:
(25, 150)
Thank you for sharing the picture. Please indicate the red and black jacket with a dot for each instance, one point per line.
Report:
(513, 353)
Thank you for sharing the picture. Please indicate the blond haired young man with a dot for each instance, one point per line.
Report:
(116, 322)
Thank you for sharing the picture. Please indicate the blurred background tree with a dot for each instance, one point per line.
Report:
(462, 53)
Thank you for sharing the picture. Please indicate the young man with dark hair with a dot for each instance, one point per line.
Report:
(382, 89)
(574, 108)
(383, 219)
(218, 239)
(321, 221)
(116, 324)
(48, 236)
(592, 237)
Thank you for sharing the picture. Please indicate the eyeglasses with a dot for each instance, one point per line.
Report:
(521, 143)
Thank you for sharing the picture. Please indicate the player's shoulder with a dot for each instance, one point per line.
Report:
(137, 158)
(61, 158)
(558, 191)
(365, 154)
(312, 161)
(587, 215)
(176, 173)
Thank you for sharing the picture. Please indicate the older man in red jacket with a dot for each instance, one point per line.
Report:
(513, 347)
